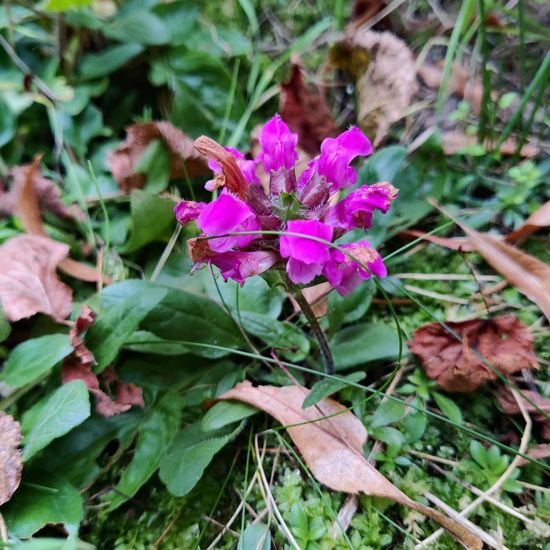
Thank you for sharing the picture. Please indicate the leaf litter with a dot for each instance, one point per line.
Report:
(11, 465)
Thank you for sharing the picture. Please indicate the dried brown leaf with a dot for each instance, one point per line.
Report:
(122, 160)
(453, 243)
(333, 447)
(504, 342)
(461, 83)
(11, 465)
(306, 112)
(48, 194)
(526, 273)
(384, 69)
(78, 366)
(28, 280)
(537, 220)
(453, 141)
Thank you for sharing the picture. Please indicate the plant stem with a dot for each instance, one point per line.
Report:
(315, 328)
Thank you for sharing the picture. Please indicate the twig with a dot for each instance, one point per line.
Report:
(437, 295)
(500, 481)
(3, 532)
(168, 527)
(218, 524)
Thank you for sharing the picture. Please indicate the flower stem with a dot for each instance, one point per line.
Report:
(315, 328)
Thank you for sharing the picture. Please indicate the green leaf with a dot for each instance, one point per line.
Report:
(255, 537)
(44, 498)
(66, 5)
(328, 386)
(155, 435)
(224, 413)
(34, 357)
(152, 219)
(113, 327)
(108, 61)
(291, 341)
(448, 407)
(138, 26)
(392, 437)
(349, 308)
(363, 343)
(192, 451)
(54, 416)
(43, 543)
(8, 124)
(479, 453)
(5, 327)
(387, 413)
(414, 425)
(155, 164)
(146, 342)
(383, 165)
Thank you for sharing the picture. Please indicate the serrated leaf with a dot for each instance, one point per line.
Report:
(34, 357)
(54, 416)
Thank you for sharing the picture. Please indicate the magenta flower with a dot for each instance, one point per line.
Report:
(306, 256)
(298, 219)
(241, 265)
(228, 214)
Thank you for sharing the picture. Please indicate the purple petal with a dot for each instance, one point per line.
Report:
(187, 211)
(306, 250)
(302, 273)
(278, 145)
(228, 214)
(241, 265)
(356, 209)
(337, 154)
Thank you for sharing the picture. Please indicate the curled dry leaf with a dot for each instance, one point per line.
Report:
(510, 406)
(10, 457)
(538, 219)
(333, 447)
(78, 366)
(47, 192)
(122, 160)
(504, 342)
(306, 112)
(28, 280)
(385, 77)
(461, 83)
(454, 141)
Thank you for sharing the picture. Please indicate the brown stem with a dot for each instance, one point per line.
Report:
(315, 328)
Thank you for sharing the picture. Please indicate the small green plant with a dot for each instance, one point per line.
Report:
(306, 530)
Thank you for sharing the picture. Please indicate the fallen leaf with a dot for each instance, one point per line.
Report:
(504, 342)
(385, 77)
(78, 366)
(537, 452)
(333, 447)
(363, 10)
(306, 112)
(317, 297)
(28, 280)
(48, 194)
(461, 82)
(538, 219)
(510, 406)
(122, 160)
(453, 243)
(526, 273)
(10, 457)
(454, 141)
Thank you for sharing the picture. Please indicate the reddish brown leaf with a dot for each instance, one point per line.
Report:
(461, 83)
(385, 77)
(528, 274)
(504, 342)
(48, 194)
(538, 452)
(453, 141)
(28, 281)
(510, 406)
(537, 220)
(78, 366)
(306, 112)
(10, 457)
(122, 160)
(333, 447)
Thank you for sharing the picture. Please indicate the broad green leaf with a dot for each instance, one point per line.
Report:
(155, 164)
(349, 308)
(152, 219)
(328, 386)
(180, 18)
(7, 123)
(392, 437)
(5, 327)
(146, 342)
(191, 452)
(291, 342)
(255, 537)
(155, 434)
(479, 453)
(46, 498)
(43, 543)
(448, 407)
(54, 416)
(140, 26)
(65, 5)
(114, 326)
(94, 65)
(388, 412)
(383, 165)
(224, 413)
(414, 426)
(363, 343)
(34, 357)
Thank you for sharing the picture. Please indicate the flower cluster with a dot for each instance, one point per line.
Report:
(247, 229)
